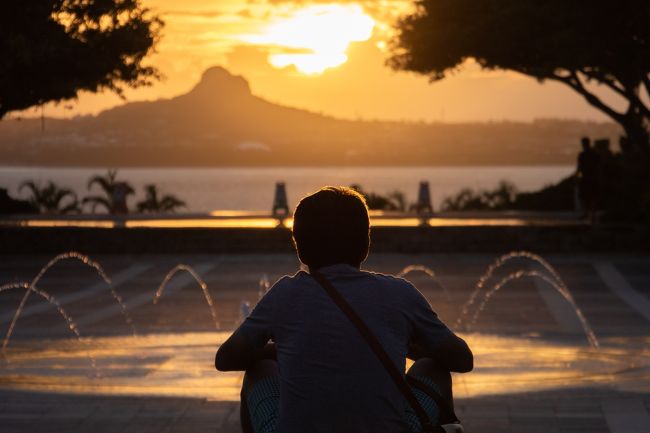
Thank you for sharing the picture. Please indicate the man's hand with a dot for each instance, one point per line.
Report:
(238, 354)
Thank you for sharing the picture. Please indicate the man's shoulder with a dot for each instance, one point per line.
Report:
(392, 281)
(287, 282)
(301, 279)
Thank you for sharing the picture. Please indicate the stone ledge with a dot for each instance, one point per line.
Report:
(558, 238)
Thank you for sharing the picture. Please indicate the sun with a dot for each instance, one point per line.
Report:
(314, 38)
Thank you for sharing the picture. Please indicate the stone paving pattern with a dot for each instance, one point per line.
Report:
(519, 310)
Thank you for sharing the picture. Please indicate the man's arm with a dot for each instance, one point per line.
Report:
(238, 353)
(452, 353)
(248, 344)
(433, 339)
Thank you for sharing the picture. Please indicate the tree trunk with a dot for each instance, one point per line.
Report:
(627, 183)
(637, 137)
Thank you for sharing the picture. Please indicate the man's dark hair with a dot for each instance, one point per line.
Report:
(331, 226)
(586, 142)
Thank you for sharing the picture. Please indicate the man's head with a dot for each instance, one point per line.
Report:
(331, 226)
(586, 143)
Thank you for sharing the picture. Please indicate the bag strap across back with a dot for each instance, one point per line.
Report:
(375, 345)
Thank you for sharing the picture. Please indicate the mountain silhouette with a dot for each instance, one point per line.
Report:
(220, 122)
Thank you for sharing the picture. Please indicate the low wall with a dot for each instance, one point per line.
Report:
(49, 240)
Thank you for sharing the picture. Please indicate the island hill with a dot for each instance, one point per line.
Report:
(221, 123)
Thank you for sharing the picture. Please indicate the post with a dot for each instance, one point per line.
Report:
(280, 203)
(423, 207)
(602, 147)
(119, 199)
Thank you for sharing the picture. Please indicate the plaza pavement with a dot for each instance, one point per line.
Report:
(534, 370)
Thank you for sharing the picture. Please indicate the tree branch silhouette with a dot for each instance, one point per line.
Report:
(53, 49)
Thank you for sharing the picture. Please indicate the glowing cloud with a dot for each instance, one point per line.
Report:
(317, 37)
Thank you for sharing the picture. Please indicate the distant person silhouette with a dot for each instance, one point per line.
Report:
(603, 149)
(588, 173)
(321, 374)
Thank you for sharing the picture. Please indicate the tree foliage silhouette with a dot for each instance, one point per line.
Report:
(155, 203)
(107, 184)
(500, 198)
(52, 49)
(393, 201)
(51, 198)
(571, 42)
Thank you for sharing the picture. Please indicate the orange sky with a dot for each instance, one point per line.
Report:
(270, 42)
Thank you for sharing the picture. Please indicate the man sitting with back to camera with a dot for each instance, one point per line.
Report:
(309, 366)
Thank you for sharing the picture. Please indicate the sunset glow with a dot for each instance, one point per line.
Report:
(315, 38)
(299, 53)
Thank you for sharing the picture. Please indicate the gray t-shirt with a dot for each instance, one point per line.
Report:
(331, 381)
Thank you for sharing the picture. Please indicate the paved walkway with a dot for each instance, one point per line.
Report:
(568, 411)
(534, 372)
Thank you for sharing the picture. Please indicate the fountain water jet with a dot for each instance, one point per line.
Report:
(591, 336)
(499, 262)
(49, 298)
(198, 279)
(18, 285)
(72, 255)
(245, 307)
(416, 268)
(264, 286)
(56, 259)
(428, 271)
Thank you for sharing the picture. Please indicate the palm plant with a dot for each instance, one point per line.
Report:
(503, 197)
(154, 203)
(108, 185)
(50, 198)
(398, 200)
(394, 201)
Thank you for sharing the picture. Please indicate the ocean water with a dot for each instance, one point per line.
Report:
(250, 189)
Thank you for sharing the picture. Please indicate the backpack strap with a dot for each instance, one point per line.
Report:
(375, 345)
